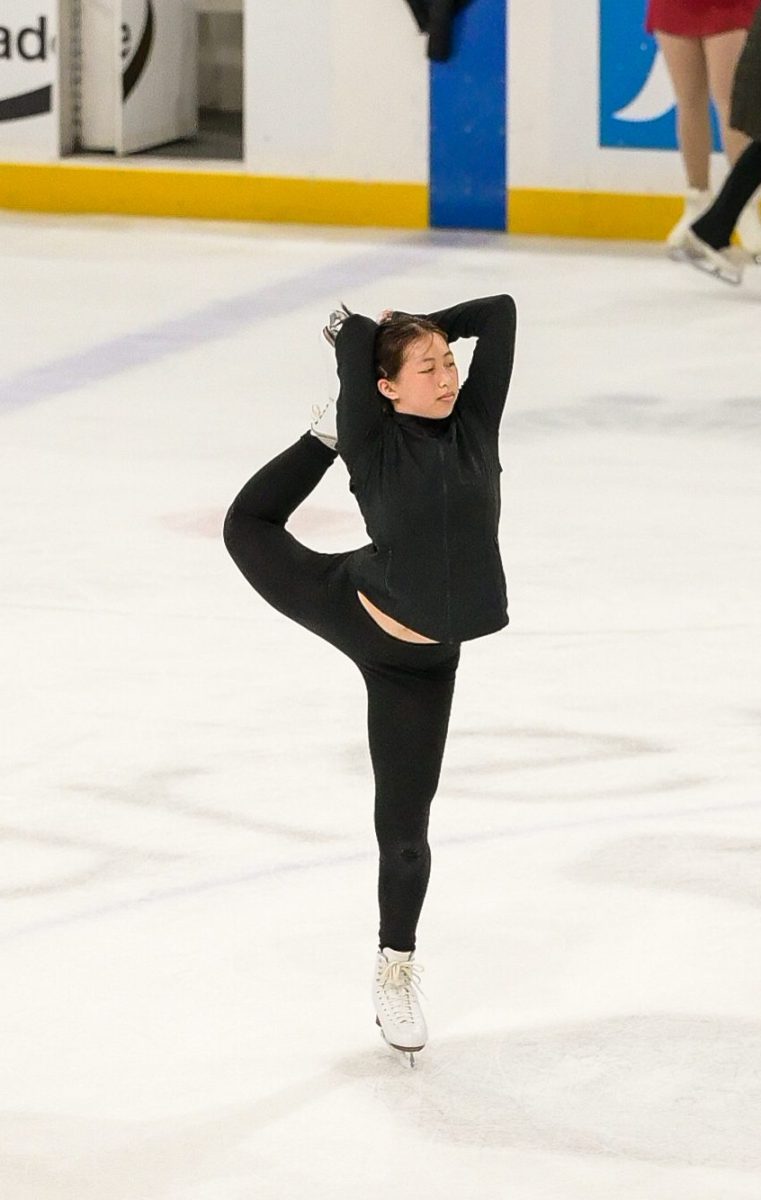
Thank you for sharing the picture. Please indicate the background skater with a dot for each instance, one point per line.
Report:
(708, 240)
(701, 41)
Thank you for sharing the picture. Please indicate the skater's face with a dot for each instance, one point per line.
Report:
(427, 384)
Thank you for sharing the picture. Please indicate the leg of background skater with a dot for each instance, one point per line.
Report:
(746, 116)
(717, 223)
(708, 242)
(408, 719)
(722, 53)
(686, 63)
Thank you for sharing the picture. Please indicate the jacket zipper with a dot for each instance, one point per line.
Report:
(445, 495)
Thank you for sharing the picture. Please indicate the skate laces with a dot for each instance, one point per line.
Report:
(403, 980)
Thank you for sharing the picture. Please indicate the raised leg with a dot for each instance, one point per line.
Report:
(284, 572)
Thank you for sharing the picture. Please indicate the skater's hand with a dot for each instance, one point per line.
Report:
(386, 315)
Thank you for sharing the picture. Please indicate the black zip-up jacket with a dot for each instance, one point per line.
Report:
(428, 488)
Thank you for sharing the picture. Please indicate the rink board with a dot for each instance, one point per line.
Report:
(217, 195)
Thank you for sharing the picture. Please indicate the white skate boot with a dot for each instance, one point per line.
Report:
(335, 321)
(397, 1009)
(727, 264)
(749, 231)
(323, 424)
(695, 204)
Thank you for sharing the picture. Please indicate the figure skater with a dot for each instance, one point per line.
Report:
(701, 41)
(708, 240)
(423, 462)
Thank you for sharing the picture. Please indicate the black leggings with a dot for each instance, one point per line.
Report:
(716, 225)
(409, 685)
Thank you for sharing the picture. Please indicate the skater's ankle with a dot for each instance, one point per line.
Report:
(314, 439)
(715, 240)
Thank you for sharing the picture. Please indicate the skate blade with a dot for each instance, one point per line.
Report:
(709, 268)
(408, 1051)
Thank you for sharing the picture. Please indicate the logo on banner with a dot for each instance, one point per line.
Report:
(30, 44)
(135, 68)
(637, 106)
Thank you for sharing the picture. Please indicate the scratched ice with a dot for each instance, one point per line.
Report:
(187, 862)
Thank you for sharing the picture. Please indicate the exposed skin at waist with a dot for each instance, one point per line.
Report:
(389, 625)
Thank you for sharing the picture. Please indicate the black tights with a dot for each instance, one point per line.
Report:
(409, 685)
(716, 225)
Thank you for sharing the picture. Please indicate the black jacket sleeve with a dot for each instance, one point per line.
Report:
(436, 18)
(360, 407)
(493, 321)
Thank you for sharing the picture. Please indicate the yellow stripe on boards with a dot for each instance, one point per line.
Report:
(234, 196)
(237, 196)
(592, 214)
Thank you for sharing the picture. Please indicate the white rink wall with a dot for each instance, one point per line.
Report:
(337, 128)
(336, 91)
(340, 91)
(553, 108)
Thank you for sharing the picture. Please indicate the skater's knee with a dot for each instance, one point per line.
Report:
(245, 537)
(410, 853)
(236, 533)
(230, 529)
(240, 528)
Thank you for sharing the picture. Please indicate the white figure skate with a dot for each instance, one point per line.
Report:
(726, 265)
(695, 204)
(323, 424)
(335, 321)
(397, 1009)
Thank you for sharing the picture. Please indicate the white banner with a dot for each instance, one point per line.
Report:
(159, 73)
(29, 85)
(139, 85)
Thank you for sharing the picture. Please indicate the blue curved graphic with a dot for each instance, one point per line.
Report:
(636, 101)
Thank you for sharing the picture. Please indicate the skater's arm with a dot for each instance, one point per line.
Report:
(493, 321)
(359, 411)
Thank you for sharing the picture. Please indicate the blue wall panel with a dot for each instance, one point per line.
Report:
(636, 100)
(468, 117)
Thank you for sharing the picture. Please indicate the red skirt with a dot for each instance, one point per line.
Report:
(699, 18)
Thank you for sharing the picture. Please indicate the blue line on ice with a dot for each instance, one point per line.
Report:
(220, 319)
(259, 873)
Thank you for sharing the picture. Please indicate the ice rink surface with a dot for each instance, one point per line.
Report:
(188, 864)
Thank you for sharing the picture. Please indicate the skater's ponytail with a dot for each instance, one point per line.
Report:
(394, 335)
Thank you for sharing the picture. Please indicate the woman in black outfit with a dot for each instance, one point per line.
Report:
(424, 467)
